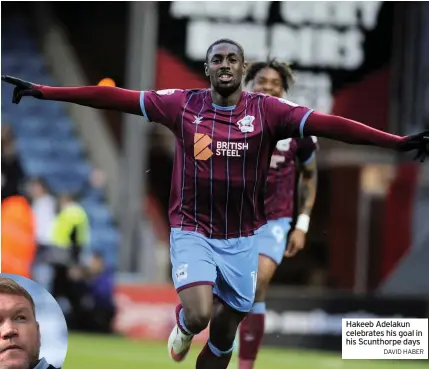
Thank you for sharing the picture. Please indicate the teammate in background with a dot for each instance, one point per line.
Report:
(274, 79)
(224, 140)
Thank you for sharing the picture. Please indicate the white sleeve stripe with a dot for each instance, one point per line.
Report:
(142, 107)
(302, 124)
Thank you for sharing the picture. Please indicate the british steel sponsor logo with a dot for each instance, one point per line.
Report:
(201, 143)
(202, 149)
(234, 149)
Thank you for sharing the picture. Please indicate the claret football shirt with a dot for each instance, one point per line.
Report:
(222, 156)
(281, 181)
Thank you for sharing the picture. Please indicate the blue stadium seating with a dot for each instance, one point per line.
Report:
(45, 136)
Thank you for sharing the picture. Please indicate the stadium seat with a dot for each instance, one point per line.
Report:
(98, 213)
(93, 195)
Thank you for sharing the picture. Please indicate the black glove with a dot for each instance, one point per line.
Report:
(419, 142)
(23, 88)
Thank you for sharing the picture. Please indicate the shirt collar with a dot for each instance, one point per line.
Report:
(42, 364)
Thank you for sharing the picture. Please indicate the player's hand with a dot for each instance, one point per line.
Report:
(296, 243)
(22, 88)
(419, 142)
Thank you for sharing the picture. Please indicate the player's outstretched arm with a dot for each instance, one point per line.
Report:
(99, 97)
(349, 131)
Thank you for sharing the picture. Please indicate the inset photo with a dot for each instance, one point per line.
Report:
(33, 330)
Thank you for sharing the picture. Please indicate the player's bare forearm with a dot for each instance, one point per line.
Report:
(349, 131)
(308, 187)
(99, 97)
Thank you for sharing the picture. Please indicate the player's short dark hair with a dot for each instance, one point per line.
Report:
(283, 69)
(10, 287)
(225, 41)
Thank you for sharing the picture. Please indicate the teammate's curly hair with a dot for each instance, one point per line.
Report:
(283, 69)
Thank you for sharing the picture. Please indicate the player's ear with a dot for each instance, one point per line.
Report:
(245, 65)
(206, 69)
(39, 338)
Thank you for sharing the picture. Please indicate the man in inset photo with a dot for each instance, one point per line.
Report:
(19, 330)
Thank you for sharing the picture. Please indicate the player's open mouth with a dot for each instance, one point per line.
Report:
(225, 77)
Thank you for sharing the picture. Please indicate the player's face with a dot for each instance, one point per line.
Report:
(269, 82)
(225, 68)
(19, 333)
